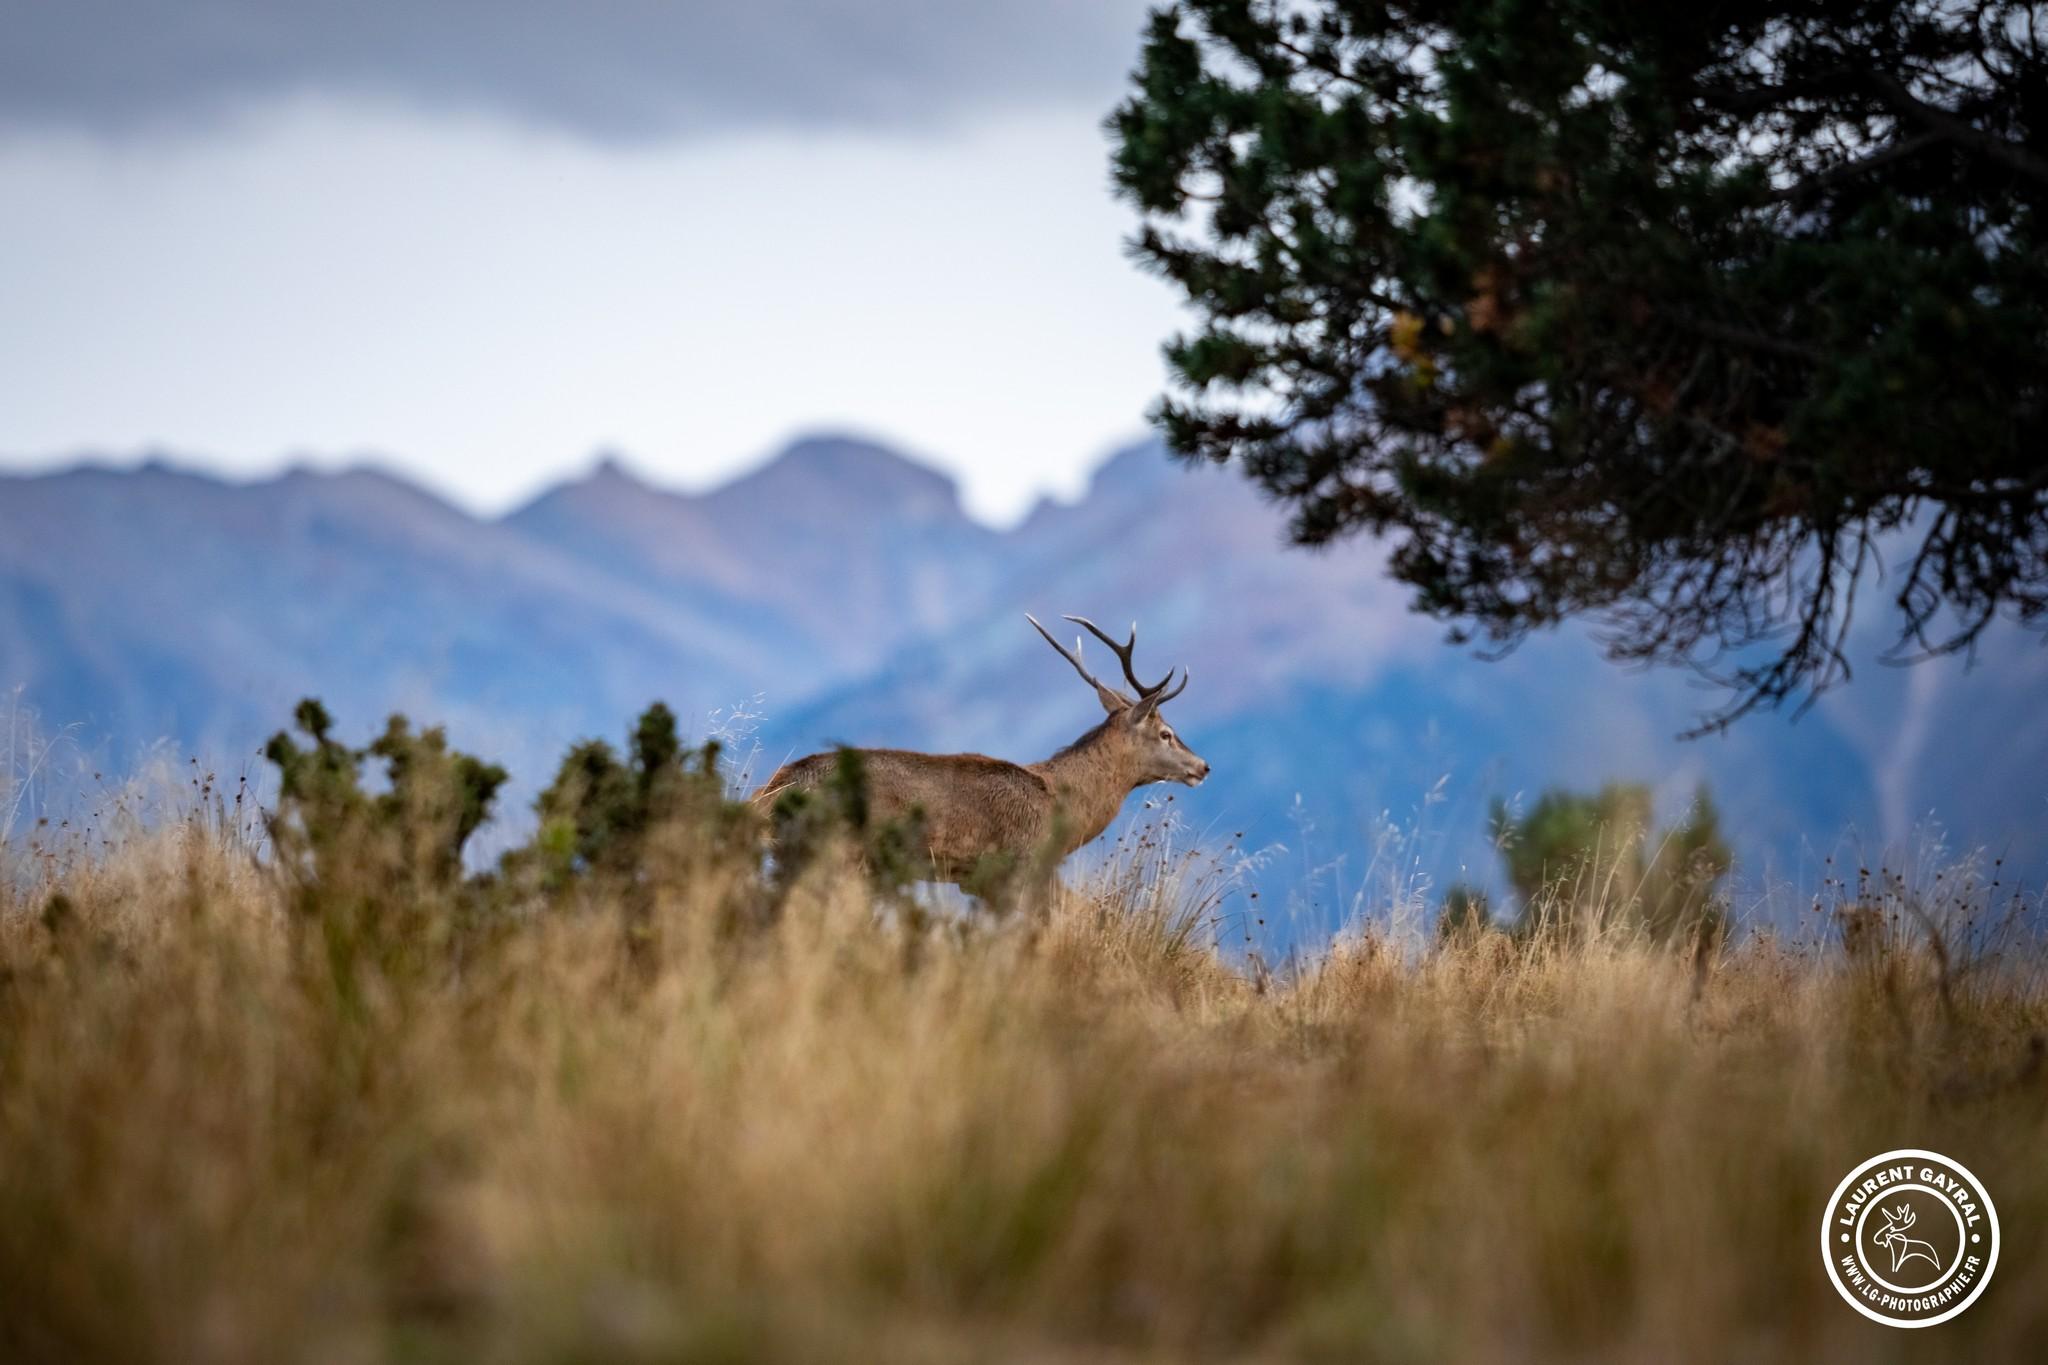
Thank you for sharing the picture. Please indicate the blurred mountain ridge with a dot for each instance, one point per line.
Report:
(841, 591)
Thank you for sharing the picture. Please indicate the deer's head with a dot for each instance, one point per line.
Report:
(1154, 751)
(1896, 1221)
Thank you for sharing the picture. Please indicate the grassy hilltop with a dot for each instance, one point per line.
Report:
(310, 1093)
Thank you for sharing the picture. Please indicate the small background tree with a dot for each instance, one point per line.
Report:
(330, 829)
(599, 814)
(377, 874)
(1585, 862)
(1464, 916)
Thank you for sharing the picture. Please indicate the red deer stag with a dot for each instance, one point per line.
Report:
(979, 812)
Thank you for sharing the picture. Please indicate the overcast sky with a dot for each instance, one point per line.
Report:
(480, 240)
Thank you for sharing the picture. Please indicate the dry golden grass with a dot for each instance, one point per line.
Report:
(1078, 1136)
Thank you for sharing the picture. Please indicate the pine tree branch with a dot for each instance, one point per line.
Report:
(1849, 170)
(1962, 133)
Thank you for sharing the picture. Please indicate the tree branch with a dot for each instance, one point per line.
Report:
(1744, 336)
(1956, 130)
(1849, 170)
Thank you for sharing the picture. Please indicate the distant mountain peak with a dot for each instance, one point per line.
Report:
(1135, 470)
(611, 468)
(94, 465)
(854, 456)
(1140, 464)
(355, 474)
(366, 479)
(611, 485)
(852, 472)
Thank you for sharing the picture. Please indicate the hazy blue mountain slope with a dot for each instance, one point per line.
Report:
(829, 555)
(862, 546)
(157, 603)
(845, 586)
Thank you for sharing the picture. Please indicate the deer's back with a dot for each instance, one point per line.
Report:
(970, 804)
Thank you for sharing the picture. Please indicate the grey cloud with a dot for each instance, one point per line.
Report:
(605, 69)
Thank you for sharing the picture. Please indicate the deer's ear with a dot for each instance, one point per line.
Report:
(1111, 702)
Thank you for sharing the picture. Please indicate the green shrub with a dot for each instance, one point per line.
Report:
(610, 818)
(1465, 914)
(435, 798)
(378, 874)
(1585, 863)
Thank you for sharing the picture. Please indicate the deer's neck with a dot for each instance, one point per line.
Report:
(1089, 779)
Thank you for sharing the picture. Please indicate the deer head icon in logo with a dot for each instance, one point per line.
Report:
(1892, 1237)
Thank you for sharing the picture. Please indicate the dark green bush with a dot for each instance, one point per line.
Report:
(1465, 914)
(611, 818)
(380, 874)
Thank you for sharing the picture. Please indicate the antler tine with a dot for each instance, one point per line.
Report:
(1123, 655)
(1075, 660)
(1152, 701)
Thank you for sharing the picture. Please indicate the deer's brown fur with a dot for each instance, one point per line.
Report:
(973, 807)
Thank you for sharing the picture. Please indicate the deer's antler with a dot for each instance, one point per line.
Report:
(1123, 654)
(1111, 699)
(1151, 696)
